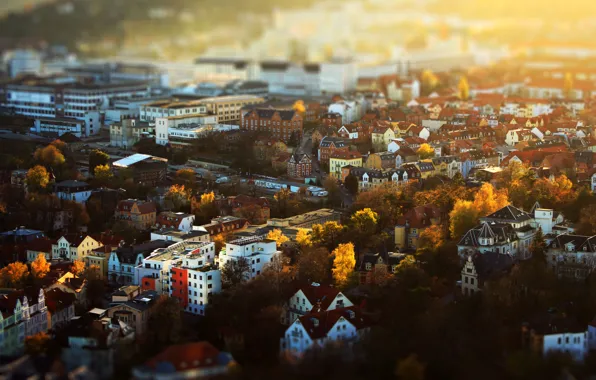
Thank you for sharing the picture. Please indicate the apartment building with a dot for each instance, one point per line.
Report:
(139, 214)
(256, 250)
(228, 109)
(170, 107)
(128, 132)
(279, 123)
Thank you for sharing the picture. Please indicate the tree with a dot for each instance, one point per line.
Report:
(488, 200)
(103, 174)
(425, 151)
(14, 275)
(364, 225)
(49, 156)
(220, 242)
(37, 178)
(36, 345)
(587, 221)
(463, 88)
(431, 238)
(186, 177)
(97, 158)
(351, 183)
(410, 369)
(179, 157)
(40, 266)
(165, 322)
(77, 267)
(463, 217)
(538, 248)
(343, 263)
(179, 196)
(299, 107)
(235, 272)
(313, 265)
(334, 195)
(277, 236)
(327, 234)
(568, 85)
(429, 81)
(303, 238)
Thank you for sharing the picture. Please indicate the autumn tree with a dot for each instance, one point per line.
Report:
(299, 107)
(327, 234)
(431, 238)
(568, 85)
(37, 178)
(303, 238)
(96, 158)
(49, 156)
(332, 188)
(364, 225)
(314, 265)
(463, 88)
(463, 217)
(14, 275)
(186, 177)
(425, 151)
(488, 200)
(220, 242)
(429, 81)
(38, 344)
(344, 262)
(207, 208)
(235, 272)
(40, 266)
(103, 174)
(179, 196)
(587, 221)
(277, 236)
(78, 267)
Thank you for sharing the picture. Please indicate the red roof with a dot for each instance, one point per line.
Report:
(145, 207)
(419, 217)
(43, 244)
(318, 325)
(185, 357)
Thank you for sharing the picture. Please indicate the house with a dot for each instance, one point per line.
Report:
(146, 169)
(195, 360)
(99, 257)
(137, 213)
(135, 312)
(72, 190)
(175, 236)
(92, 341)
(381, 137)
(42, 245)
(256, 250)
(447, 166)
(556, 332)
(506, 231)
(330, 146)
(350, 110)
(178, 220)
(375, 265)
(315, 330)
(68, 283)
(224, 225)
(481, 268)
(22, 313)
(426, 168)
(341, 159)
(572, 256)
(382, 160)
(60, 307)
(372, 178)
(123, 260)
(299, 165)
(410, 225)
(74, 247)
(412, 170)
(332, 119)
(313, 298)
(349, 132)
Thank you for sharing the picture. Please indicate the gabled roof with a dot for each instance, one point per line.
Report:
(185, 357)
(145, 207)
(491, 264)
(324, 294)
(509, 213)
(318, 325)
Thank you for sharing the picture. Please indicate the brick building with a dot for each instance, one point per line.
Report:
(299, 165)
(330, 146)
(280, 124)
(331, 119)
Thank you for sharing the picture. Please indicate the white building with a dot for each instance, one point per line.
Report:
(350, 110)
(73, 190)
(56, 127)
(183, 129)
(23, 62)
(167, 108)
(310, 79)
(73, 247)
(316, 330)
(122, 261)
(313, 298)
(178, 220)
(226, 69)
(557, 333)
(257, 250)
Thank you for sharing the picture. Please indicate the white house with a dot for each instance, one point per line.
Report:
(316, 330)
(74, 247)
(313, 298)
(255, 249)
(350, 110)
(70, 190)
(352, 133)
(557, 333)
(177, 220)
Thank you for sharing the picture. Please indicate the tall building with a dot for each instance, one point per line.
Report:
(228, 109)
(256, 250)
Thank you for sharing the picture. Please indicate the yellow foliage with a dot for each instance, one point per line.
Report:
(429, 79)
(40, 266)
(343, 263)
(463, 88)
(277, 236)
(488, 200)
(303, 238)
(463, 217)
(425, 151)
(207, 198)
(568, 85)
(37, 178)
(103, 173)
(299, 106)
(13, 275)
(77, 267)
(49, 156)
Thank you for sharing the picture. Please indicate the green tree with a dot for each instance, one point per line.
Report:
(97, 158)
(37, 178)
(165, 322)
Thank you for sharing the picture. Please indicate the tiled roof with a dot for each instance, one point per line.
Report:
(318, 325)
(43, 244)
(145, 207)
(57, 300)
(185, 357)
(320, 293)
(419, 217)
(509, 213)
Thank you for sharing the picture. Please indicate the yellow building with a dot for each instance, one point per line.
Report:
(340, 159)
(426, 168)
(139, 214)
(228, 108)
(99, 257)
(381, 161)
(381, 137)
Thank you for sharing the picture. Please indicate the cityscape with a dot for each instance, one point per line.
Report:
(359, 189)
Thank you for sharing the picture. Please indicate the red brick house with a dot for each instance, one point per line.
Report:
(280, 124)
(332, 119)
(330, 146)
(299, 165)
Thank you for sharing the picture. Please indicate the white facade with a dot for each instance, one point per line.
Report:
(183, 128)
(122, 272)
(28, 318)
(350, 110)
(150, 112)
(24, 62)
(572, 343)
(256, 250)
(63, 249)
(299, 305)
(57, 127)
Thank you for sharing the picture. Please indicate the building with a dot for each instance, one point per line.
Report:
(150, 112)
(154, 271)
(228, 109)
(74, 247)
(128, 132)
(381, 161)
(341, 159)
(224, 225)
(375, 266)
(506, 231)
(350, 110)
(24, 62)
(57, 126)
(299, 165)
(73, 190)
(22, 313)
(134, 311)
(313, 298)
(381, 138)
(309, 79)
(38, 246)
(122, 261)
(315, 330)
(330, 146)
(147, 170)
(572, 256)
(411, 225)
(481, 268)
(139, 214)
(115, 72)
(175, 236)
(555, 332)
(256, 250)
(92, 341)
(280, 124)
(194, 278)
(99, 257)
(186, 361)
(178, 220)
(372, 178)
(60, 307)
(234, 87)
(255, 210)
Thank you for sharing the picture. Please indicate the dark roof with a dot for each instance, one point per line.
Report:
(324, 294)
(509, 213)
(318, 325)
(327, 141)
(491, 264)
(57, 300)
(500, 232)
(128, 254)
(43, 244)
(419, 217)
(72, 183)
(553, 322)
(389, 258)
(145, 207)
(185, 357)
